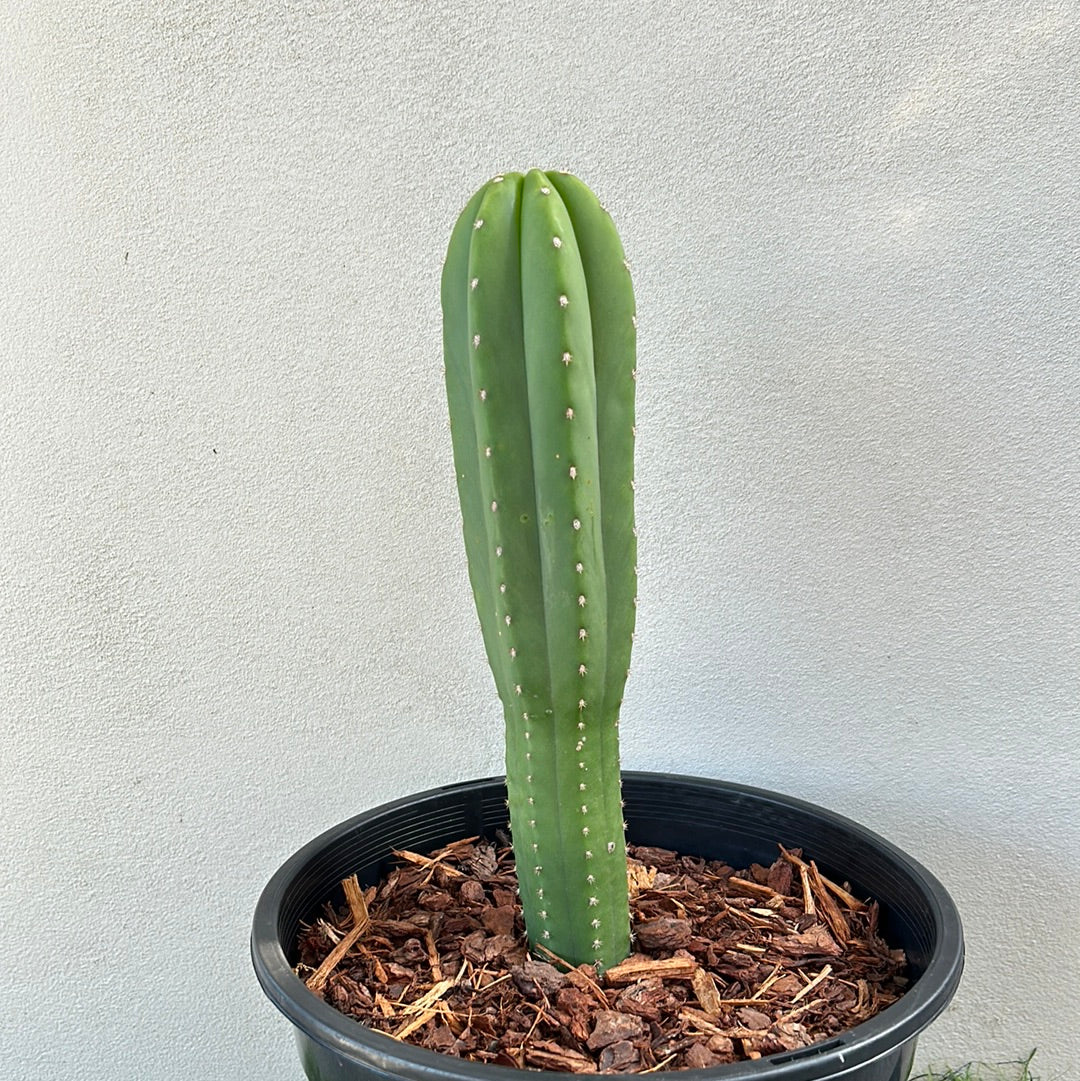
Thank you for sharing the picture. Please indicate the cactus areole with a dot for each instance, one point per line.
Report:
(539, 335)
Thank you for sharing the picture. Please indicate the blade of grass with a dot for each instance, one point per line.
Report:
(1018, 1070)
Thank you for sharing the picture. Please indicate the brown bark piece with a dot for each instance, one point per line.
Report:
(700, 1056)
(780, 877)
(619, 1057)
(664, 933)
(436, 900)
(649, 999)
(545, 1055)
(815, 941)
(610, 1026)
(577, 1006)
(499, 921)
(754, 1019)
(538, 979)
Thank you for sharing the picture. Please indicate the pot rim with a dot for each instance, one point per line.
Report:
(852, 1049)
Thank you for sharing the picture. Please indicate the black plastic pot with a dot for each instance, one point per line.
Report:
(713, 819)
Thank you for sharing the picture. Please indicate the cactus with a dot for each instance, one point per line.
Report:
(539, 336)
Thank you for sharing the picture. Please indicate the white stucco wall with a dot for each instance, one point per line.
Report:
(232, 591)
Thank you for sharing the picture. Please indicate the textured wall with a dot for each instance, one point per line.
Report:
(234, 603)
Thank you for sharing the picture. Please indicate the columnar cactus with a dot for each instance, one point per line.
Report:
(539, 336)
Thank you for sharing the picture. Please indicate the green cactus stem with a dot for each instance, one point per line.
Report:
(539, 336)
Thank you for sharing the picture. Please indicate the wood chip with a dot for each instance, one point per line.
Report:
(767, 983)
(842, 894)
(819, 978)
(636, 968)
(322, 973)
(663, 1064)
(417, 1022)
(426, 1006)
(705, 988)
(357, 902)
(752, 887)
(639, 877)
(431, 996)
(429, 862)
(807, 891)
(844, 897)
(433, 956)
(828, 908)
(702, 1022)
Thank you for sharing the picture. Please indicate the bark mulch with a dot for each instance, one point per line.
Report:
(727, 964)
